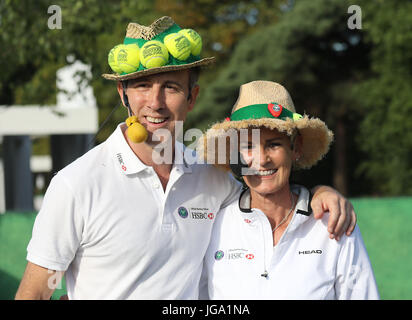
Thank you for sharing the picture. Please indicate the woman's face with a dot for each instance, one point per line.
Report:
(270, 160)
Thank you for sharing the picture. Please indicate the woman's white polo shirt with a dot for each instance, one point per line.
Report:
(242, 263)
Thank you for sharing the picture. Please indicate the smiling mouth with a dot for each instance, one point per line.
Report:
(155, 120)
(265, 172)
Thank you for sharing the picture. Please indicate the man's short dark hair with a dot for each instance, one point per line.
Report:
(193, 78)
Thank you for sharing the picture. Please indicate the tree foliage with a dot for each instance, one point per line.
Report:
(316, 57)
(358, 81)
(385, 93)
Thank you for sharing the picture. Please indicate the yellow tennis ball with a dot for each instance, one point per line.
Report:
(137, 132)
(296, 116)
(195, 40)
(178, 45)
(127, 57)
(130, 120)
(112, 59)
(153, 54)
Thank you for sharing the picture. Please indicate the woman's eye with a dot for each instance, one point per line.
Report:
(246, 147)
(274, 145)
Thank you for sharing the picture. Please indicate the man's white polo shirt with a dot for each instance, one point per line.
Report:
(108, 223)
(241, 262)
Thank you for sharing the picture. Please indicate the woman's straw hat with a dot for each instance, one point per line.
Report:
(158, 30)
(268, 104)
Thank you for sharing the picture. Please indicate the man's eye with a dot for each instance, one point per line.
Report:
(171, 87)
(141, 85)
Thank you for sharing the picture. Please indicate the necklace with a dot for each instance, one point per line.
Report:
(286, 217)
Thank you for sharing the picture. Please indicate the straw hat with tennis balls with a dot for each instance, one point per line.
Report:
(159, 52)
(268, 104)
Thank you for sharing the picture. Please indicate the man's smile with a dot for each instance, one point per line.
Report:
(156, 120)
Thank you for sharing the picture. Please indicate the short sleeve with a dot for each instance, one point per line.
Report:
(58, 228)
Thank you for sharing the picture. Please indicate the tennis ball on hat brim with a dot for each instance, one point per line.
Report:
(153, 54)
(127, 57)
(178, 45)
(112, 59)
(195, 40)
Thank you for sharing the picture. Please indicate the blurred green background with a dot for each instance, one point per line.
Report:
(358, 80)
(384, 224)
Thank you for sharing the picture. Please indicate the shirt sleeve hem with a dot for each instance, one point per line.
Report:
(46, 263)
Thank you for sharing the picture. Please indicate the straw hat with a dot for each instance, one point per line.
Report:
(268, 104)
(158, 30)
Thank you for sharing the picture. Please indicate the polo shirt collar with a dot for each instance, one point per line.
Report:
(129, 163)
(126, 160)
(302, 205)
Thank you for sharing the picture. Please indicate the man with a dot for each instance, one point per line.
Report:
(121, 225)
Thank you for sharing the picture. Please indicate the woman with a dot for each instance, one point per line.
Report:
(267, 245)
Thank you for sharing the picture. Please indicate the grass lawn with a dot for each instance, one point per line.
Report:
(15, 233)
(385, 225)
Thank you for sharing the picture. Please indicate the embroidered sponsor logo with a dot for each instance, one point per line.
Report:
(219, 254)
(120, 159)
(196, 213)
(182, 211)
(247, 220)
(238, 254)
(201, 213)
(234, 254)
(310, 252)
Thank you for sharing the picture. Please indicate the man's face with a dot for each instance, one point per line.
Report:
(161, 99)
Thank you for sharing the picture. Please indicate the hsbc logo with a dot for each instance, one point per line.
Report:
(120, 159)
(201, 213)
(196, 213)
(239, 254)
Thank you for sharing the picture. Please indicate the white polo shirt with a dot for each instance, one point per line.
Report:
(242, 263)
(108, 223)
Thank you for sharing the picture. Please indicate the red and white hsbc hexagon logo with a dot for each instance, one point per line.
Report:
(250, 256)
(211, 216)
